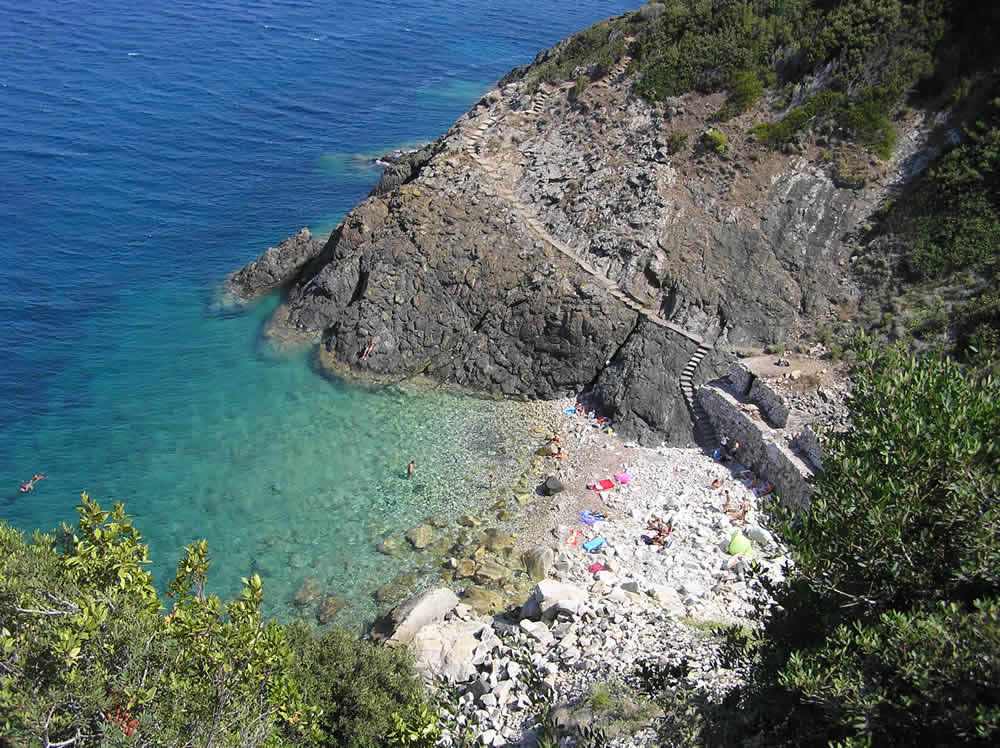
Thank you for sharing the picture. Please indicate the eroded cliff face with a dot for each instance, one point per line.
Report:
(551, 242)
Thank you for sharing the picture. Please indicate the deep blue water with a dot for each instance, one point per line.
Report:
(147, 149)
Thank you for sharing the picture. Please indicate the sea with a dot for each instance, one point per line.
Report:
(147, 150)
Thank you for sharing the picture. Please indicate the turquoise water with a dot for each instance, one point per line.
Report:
(145, 152)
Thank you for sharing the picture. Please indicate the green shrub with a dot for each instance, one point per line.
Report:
(744, 89)
(87, 658)
(892, 627)
(713, 140)
(358, 685)
(952, 220)
(417, 729)
(676, 142)
(888, 629)
(776, 134)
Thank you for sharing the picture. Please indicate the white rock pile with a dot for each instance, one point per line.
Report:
(595, 617)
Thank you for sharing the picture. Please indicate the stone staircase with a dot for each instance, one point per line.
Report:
(703, 430)
(615, 74)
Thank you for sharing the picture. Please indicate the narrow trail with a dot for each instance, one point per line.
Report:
(491, 168)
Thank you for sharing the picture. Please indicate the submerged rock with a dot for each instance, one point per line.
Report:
(420, 536)
(488, 572)
(495, 540)
(328, 608)
(483, 601)
(308, 591)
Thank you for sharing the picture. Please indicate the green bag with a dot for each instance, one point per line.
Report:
(740, 543)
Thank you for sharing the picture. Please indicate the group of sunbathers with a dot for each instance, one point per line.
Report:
(741, 513)
(662, 529)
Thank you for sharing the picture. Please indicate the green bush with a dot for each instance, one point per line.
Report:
(713, 140)
(744, 89)
(86, 656)
(357, 684)
(952, 220)
(822, 105)
(676, 142)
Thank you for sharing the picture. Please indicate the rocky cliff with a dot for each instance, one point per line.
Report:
(573, 236)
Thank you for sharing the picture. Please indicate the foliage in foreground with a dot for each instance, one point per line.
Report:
(88, 658)
(889, 632)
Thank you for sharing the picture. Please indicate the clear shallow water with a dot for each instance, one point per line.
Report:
(146, 151)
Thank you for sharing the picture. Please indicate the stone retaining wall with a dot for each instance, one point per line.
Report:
(807, 443)
(762, 448)
(772, 405)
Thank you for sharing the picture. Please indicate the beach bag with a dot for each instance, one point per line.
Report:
(740, 544)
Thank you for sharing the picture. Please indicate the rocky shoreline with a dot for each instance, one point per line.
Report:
(508, 655)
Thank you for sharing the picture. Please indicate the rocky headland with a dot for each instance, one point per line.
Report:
(558, 240)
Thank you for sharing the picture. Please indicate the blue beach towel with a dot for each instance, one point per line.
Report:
(592, 545)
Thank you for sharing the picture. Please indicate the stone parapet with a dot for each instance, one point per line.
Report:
(772, 405)
(762, 448)
(807, 443)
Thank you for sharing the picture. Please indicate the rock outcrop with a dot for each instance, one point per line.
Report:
(557, 239)
(274, 268)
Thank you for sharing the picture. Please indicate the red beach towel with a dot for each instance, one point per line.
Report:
(602, 485)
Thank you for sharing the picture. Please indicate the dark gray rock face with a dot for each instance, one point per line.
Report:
(404, 168)
(639, 387)
(275, 267)
(453, 289)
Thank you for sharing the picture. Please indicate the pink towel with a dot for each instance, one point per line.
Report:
(623, 478)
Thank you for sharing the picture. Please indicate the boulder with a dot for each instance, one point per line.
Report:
(420, 536)
(490, 573)
(308, 591)
(550, 596)
(452, 649)
(538, 561)
(483, 601)
(539, 632)
(759, 535)
(551, 486)
(400, 625)
(467, 520)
